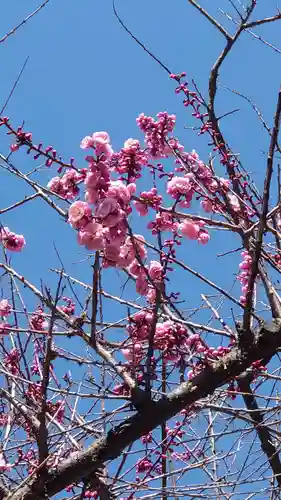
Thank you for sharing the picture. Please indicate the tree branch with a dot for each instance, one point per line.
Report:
(262, 430)
(211, 19)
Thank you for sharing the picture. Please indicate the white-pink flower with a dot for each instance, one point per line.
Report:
(179, 186)
(79, 214)
(5, 307)
(4, 466)
(130, 143)
(100, 141)
(234, 202)
(87, 142)
(102, 144)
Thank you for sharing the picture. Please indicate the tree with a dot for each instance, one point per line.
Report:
(162, 402)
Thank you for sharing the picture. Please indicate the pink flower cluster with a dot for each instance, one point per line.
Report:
(100, 142)
(144, 465)
(38, 320)
(148, 199)
(209, 354)
(156, 134)
(129, 160)
(170, 338)
(195, 231)
(67, 185)
(245, 270)
(182, 189)
(12, 241)
(164, 221)
(106, 228)
(69, 308)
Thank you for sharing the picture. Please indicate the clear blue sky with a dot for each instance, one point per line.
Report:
(86, 74)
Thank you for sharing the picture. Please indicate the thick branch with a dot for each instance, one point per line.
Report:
(264, 212)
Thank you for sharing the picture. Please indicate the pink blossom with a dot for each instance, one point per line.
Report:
(126, 256)
(66, 186)
(11, 241)
(207, 205)
(105, 207)
(138, 245)
(203, 237)
(54, 185)
(234, 202)
(144, 465)
(133, 353)
(178, 186)
(120, 191)
(131, 248)
(211, 184)
(87, 142)
(245, 271)
(102, 144)
(190, 229)
(91, 196)
(155, 270)
(135, 268)
(129, 160)
(131, 143)
(116, 233)
(151, 295)
(79, 214)
(112, 252)
(100, 141)
(163, 222)
(156, 133)
(5, 307)
(108, 209)
(91, 236)
(225, 183)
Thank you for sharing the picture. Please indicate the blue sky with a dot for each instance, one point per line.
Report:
(86, 74)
